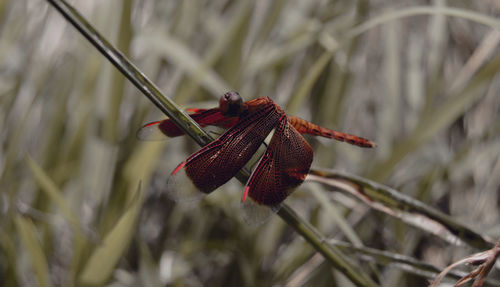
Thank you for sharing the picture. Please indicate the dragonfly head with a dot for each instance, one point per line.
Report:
(231, 104)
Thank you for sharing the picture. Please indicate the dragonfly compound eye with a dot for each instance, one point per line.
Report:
(231, 104)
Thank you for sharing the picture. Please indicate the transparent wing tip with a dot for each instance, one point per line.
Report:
(180, 188)
(151, 132)
(255, 214)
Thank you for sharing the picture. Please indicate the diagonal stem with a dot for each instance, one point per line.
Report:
(133, 74)
(167, 106)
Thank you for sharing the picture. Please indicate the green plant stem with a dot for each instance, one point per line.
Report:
(394, 199)
(332, 254)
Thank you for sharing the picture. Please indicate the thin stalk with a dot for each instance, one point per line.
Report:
(167, 106)
(401, 261)
(129, 70)
(386, 194)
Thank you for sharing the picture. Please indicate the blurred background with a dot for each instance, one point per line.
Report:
(424, 86)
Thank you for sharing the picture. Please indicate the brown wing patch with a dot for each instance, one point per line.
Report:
(218, 162)
(283, 167)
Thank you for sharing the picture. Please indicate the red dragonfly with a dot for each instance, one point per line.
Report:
(282, 168)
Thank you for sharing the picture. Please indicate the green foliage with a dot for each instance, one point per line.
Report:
(102, 262)
(421, 81)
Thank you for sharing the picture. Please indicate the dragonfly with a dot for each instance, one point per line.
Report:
(282, 168)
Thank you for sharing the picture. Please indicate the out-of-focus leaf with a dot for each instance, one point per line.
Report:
(305, 86)
(424, 10)
(335, 216)
(49, 187)
(439, 118)
(104, 258)
(8, 248)
(182, 56)
(53, 192)
(270, 56)
(221, 43)
(27, 231)
(148, 271)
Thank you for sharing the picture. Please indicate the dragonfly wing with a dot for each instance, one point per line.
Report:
(219, 161)
(159, 130)
(283, 167)
(213, 117)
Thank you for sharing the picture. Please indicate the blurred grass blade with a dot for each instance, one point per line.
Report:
(397, 204)
(148, 271)
(104, 258)
(335, 256)
(391, 108)
(438, 118)
(269, 56)
(10, 259)
(485, 50)
(332, 212)
(424, 10)
(48, 186)
(182, 56)
(118, 82)
(454, 106)
(224, 40)
(305, 86)
(27, 231)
